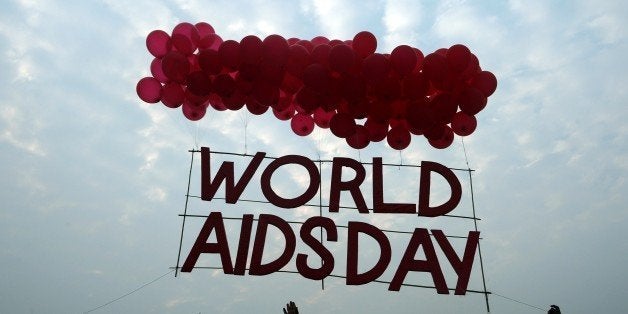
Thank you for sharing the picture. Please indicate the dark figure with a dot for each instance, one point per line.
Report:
(554, 309)
(292, 308)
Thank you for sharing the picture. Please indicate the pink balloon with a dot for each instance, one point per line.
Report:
(403, 60)
(275, 49)
(341, 58)
(359, 139)
(183, 44)
(158, 43)
(399, 137)
(149, 90)
(302, 124)
(175, 66)
(463, 124)
(172, 95)
(188, 30)
(342, 125)
(157, 72)
(364, 43)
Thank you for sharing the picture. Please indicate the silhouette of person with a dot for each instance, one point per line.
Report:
(291, 308)
(554, 309)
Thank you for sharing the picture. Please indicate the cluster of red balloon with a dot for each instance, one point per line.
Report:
(327, 83)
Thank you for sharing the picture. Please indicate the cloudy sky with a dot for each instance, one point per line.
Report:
(93, 179)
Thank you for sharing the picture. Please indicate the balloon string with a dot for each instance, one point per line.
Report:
(464, 149)
(400, 161)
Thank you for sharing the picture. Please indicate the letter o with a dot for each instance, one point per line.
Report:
(279, 201)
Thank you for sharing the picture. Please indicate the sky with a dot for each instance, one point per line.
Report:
(93, 179)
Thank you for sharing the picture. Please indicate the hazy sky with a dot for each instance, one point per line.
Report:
(93, 179)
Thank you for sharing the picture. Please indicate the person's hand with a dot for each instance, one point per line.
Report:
(291, 308)
(554, 309)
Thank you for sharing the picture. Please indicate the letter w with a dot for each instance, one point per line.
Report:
(225, 172)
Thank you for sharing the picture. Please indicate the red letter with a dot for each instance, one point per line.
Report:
(352, 186)
(318, 247)
(243, 246)
(462, 267)
(225, 172)
(201, 246)
(378, 194)
(427, 167)
(355, 228)
(277, 200)
(430, 264)
(256, 267)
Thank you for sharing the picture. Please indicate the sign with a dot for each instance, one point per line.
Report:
(420, 241)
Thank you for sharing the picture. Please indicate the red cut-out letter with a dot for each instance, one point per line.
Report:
(378, 194)
(225, 172)
(318, 247)
(352, 186)
(430, 264)
(243, 246)
(355, 228)
(462, 267)
(427, 167)
(279, 201)
(214, 221)
(256, 267)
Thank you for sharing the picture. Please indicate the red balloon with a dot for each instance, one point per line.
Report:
(188, 30)
(199, 83)
(341, 58)
(216, 102)
(175, 66)
(234, 101)
(158, 43)
(419, 116)
(251, 49)
(415, 86)
(445, 140)
(149, 90)
(443, 107)
(204, 29)
(458, 57)
(183, 44)
(375, 67)
(316, 77)
(463, 124)
(172, 95)
(419, 60)
(320, 54)
(319, 40)
(359, 139)
(364, 43)
(377, 130)
(157, 72)
(485, 82)
(307, 44)
(471, 101)
(209, 61)
(284, 114)
(229, 53)
(256, 108)
(399, 137)
(308, 99)
(266, 94)
(291, 84)
(403, 60)
(193, 113)
(224, 85)
(342, 125)
(302, 124)
(322, 117)
(275, 50)
(298, 60)
(292, 40)
(435, 68)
